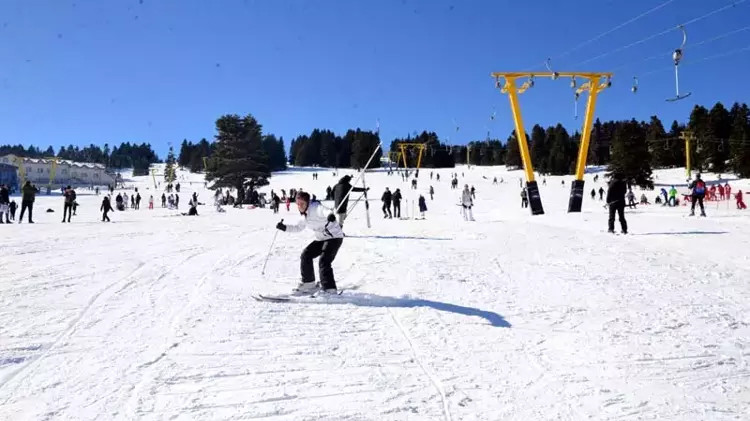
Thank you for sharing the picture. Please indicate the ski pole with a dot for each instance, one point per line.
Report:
(263, 271)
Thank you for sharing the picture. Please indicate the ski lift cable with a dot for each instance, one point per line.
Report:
(607, 32)
(664, 32)
(613, 29)
(688, 46)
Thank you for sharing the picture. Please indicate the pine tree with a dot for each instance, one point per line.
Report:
(185, 152)
(701, 130)
(169, 170)
(720, 126)
(630, 157)
(513, 153)
(363, 145)
(238, 160)
(559, 151)
(677, 145)
(539, 152)
(659, 147)
(740, 143)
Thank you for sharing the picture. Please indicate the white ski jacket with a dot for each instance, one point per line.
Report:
(316, 219)
(466, 198)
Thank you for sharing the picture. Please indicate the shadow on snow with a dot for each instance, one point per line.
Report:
(684, 233)
(397, 237)
(372, 300)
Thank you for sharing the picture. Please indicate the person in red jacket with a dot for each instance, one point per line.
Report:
(740, 203)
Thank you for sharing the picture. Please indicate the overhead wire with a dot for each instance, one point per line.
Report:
(666, 31)
(689, 46)
(609, 31)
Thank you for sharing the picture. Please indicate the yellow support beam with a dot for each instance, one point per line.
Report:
(595, 83)
(688, 137)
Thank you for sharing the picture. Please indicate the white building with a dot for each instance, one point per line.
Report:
(58, 172)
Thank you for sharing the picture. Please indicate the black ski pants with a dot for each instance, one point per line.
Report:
(697, 198)
(104, 215)
(67, 210)
(387, 209)
(524, 203)
(618, 207)
(26, 205)
(397, 209)
(326, 250)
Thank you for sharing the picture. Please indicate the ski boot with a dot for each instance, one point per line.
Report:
(306, 288)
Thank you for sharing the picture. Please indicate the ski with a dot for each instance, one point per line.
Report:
(293, 297)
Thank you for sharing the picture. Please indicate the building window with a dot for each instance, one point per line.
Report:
(40, 170)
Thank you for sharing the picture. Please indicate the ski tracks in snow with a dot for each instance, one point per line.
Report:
(435, 382)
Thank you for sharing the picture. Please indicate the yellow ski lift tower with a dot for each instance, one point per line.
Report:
(595, 83)
(21, 171)
(688, 137)
(402, 150)
(52, 171)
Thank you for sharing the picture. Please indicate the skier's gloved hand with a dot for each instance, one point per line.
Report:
(331, 217)
(281, 226)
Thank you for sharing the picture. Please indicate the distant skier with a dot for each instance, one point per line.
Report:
(616, 202)
(329, 193)
(12, 208)
(432, 193)
(328, 239)
(70, 198)
(386, 199)
(28, 195)
(106, 208)
(494, 181)
(4, 203)
(118, 201)
(473, 192)
(437, 177)
(672, 196)
(151, 202)
(195, 198)
(132, 202)
(467, 203)
(177, 201)
(163, 200)
(593, 194)
(698, 192)
(414, 183)
(727, 189)
(631, 199)
(137, 201)
(422, 206)
(524, 198)
(340, 198)
(396, 197)
(721, 192)
(740, 202)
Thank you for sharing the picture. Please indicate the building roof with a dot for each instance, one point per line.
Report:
(51, 160)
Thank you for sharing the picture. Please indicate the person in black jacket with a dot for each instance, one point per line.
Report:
(340, 198)
(616, 202)
(396, 197)
(386, 198)
(4, 203)
(70, 198)
(106, 207)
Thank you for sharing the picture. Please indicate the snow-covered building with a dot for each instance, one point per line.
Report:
(58, 172)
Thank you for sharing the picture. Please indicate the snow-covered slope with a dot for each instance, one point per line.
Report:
(511, 317)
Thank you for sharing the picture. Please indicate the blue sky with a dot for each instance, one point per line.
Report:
(158, 71)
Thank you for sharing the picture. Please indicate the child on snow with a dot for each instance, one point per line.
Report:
(422, 206)
(740, 202)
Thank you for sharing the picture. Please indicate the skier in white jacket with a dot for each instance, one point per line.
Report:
(467, 202)
(328, 239)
